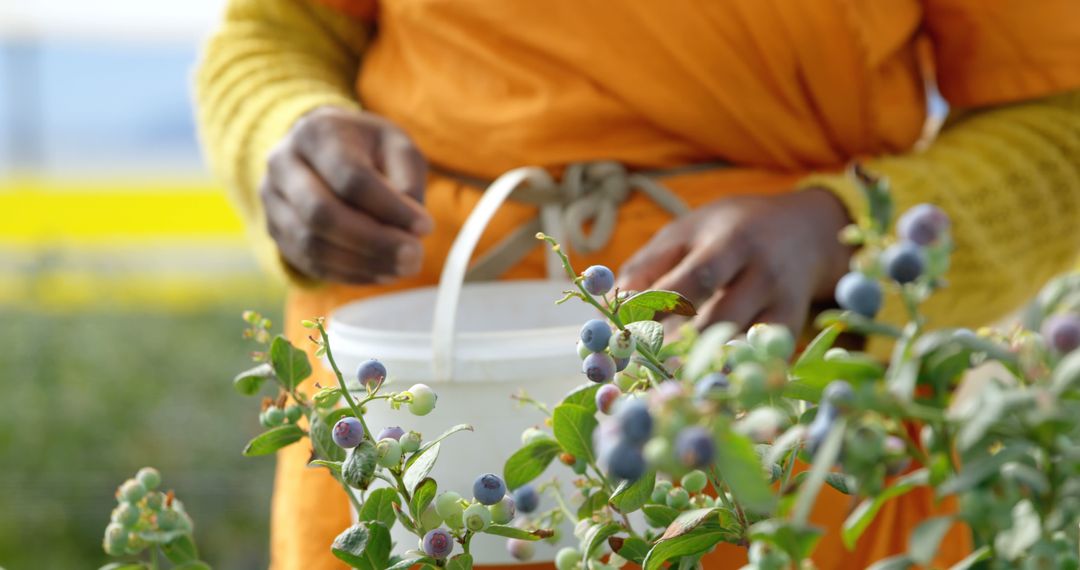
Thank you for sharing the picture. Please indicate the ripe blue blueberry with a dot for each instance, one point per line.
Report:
(149, 477)
(477, 517)
(1062, 332)
(599, 367)
(438, 544)
(598, 280)
(526, 498)
(371, 373)
(695, 447)
(392, 432)
(860, 294)
(819, 428)
(606, 397)
(634, 421)
(622, 344)
(489, 489)
(348, 432)
(621, 364)
(595, 335)
(503, 511)
(423, 400)
(625, 461)
(712, 386)
(922, 224)
(522, 550)
(904, 262)
(839, 394)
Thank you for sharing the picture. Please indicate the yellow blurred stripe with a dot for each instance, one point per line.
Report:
(42, 211)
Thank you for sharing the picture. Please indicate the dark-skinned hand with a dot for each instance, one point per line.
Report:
(748, 259)
(343, 197)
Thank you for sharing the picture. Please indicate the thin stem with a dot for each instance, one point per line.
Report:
(401, 486)
(352, 496)
(341, 380)
(562, 504)
(466, 540)
(154, 557)
(789, 468)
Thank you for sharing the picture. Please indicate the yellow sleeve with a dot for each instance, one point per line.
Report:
(1010, 180)
(269, 63)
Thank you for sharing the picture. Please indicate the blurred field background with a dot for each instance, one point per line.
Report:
(122, 277)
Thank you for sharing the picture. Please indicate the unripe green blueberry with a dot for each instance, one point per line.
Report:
(293, 413)
(503, 511)
(625, 381)
(773, 340)
(116, 540)
(567, 558)
(622, 344)
(836, 353)
(275, 416)
(264, 420)
(678, 498)
(522, 550)
(389, 452)
(126, 514)
(448, 503)
(131, 491)
(430, 519)
(695, 481)
(135, 543)
(149, 477)
(423, 400)
(477, 517)
(660, 491)
(750, 381)
(168, 519)
(658, 451)
(738, 352)
(582, 350)
(532, 434)
(155, 500)
(410, 442)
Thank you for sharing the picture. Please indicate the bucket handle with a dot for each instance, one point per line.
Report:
(457, 262)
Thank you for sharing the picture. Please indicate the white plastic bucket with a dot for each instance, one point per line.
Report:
(476, 345)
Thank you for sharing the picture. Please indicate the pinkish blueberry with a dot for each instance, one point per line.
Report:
(606, 397)
(438, 544)
(348, 432)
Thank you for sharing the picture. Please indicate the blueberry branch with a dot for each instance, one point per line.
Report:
(341, 379)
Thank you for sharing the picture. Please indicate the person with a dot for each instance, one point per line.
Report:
(354, 139)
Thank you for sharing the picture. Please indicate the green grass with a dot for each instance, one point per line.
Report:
(88, 398)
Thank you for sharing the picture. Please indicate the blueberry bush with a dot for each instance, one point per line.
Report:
(674, 446)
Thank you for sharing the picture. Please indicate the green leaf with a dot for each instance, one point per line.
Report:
(649, 334)
(365, 546)
(1011, 544)
(430, 444)
(630, 496)
(529, 462)
(358, 470)
(290, 364)
(410, 561)
(573, 428)
(980, 554)
(592, 503)
(584, 396)
(633, 549)
(460, 562)
(122, 566)
(327, 398)
(403, 518)
(687, 521)
(161, 536)
(841, 482)
(708, 350)
(819, 346)
(595, 538)
(421, 468)
(515, 532)
(856, 323)
(644, 306)
(798, 541)
(926, 538)
(273, 439)
(322, 434)
(181, 549)
(810, 378)
(864, 514)
(422, 497)
(898, 562)
(741, 469)
(1067, 373)
(659, 515)
(249, 381)
(193, 565)
(379, 506)
(333, 466)
(695, 542)
(979, 470)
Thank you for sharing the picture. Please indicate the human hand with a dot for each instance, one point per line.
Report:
(748, 259)
(343, 198)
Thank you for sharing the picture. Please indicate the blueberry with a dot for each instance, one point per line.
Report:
(836, 353)
(598, 280)
(595, 335)
(839, 394)
(624, 381)
(695, 481)
(371, 373)
(567, 558)
(660, 491)
(477, 517)
(489, 489)
(712, 386)
(819, 428)
(860, 294)
(503, 511)
(622, 344)
(599, 367)
(149, 477)
(348, 432)
(275, 416)
(582, 351)
(392, 432)
(423, 400)
(904, 262)
(606, 397)
(430, 519)
(438, 544)
(293, 413)
(678, 498)
(522, 550)
(155, 500)
(658, 452)
(634, 421)
(773, 340)
(1062, 332)
(168, 520)
(922, 224)
(527, 499)
(532, 435)
(737, 352)
(447, 504)
(131, 491)
(410, 442)
(126, 514)
(264, 420)
(695, 447)
(621, 364)
(388, 452)
(625, 461)
(115, 542)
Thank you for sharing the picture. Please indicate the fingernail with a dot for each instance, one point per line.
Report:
(423, 226)
(409, 258)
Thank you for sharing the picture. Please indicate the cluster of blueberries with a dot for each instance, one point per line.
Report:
(904, 262)
(142, 509)
(490, 505)
(602, 353)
